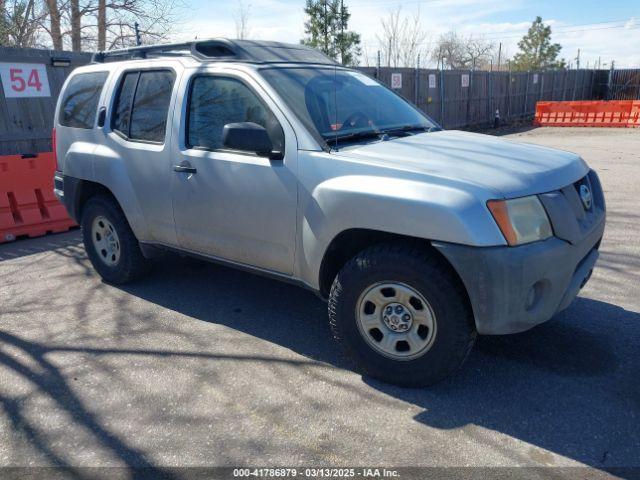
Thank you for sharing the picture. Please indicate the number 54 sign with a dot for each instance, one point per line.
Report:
(20, 80)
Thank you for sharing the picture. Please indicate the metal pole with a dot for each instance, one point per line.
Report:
(575, 80)
(526, 95)
(442, 97)
(499, 55)
(416, 80)
(342, 31)
(378, 66)
(509, 93)
(490, 95)
(466, 117)
(137, 28)
(326, 29)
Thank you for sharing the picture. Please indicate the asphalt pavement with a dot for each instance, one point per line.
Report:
(201, 365)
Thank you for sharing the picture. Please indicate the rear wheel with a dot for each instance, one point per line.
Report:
(402, 315)
(109, 241)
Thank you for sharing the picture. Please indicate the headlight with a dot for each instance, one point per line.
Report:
(521, 220)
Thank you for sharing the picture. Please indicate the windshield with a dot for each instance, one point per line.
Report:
(339, 105)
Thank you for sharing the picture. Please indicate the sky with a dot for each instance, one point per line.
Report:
(603, 30)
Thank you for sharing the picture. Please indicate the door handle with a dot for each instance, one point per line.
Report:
(102, 114)
(184, 169)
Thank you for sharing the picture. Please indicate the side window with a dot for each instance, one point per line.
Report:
(122, 113)
(80, 102)
(216, 101)
(143, 104)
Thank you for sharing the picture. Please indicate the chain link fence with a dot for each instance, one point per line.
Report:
(459, 99)
(455, 99)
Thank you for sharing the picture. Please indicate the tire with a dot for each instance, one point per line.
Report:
(445, 323)
(118, 260)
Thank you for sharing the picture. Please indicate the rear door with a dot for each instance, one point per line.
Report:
(134, 153)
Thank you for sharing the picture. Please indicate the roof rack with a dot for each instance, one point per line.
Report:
(218, 49)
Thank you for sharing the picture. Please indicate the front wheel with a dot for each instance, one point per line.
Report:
(402, 315)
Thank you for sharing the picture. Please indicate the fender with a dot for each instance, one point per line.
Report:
(403, 206)
(82, 161)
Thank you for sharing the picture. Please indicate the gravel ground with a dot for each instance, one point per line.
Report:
(201, 365)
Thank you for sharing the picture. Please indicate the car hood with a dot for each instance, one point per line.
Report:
(510, 168)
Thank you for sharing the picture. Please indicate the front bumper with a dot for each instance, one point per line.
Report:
(512, 289)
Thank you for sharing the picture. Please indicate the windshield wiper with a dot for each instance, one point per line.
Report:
(406, 129)
(379, 134)
(353, 136)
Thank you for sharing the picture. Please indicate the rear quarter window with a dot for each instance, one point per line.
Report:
(80, 100)
(142, 105)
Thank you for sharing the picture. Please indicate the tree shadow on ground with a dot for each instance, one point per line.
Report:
(570, 386)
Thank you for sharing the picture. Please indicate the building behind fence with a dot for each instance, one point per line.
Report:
(455, 99)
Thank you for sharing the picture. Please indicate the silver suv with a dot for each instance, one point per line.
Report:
(272, 158)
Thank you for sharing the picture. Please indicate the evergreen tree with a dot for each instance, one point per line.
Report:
(327, 30)
(536, 50)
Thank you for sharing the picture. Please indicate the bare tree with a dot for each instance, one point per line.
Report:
(459, 53)
(76, 26)
(450, 51)
(242, 16)
(102, 25)
(366, 56)
(19, 22)
(156, 19)
(54, 27)
(4, 28)
(402, 38)
(479, 52)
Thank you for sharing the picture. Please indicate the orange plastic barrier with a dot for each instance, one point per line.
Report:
(634, 116)
(613, 113)
(28, 206)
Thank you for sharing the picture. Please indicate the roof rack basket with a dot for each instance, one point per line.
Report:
(215, 49)
(202, 49)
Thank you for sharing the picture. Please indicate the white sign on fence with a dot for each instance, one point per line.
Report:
(23, 80)
(465, 80)
(396, 80)
(535, 78)
(432, 80)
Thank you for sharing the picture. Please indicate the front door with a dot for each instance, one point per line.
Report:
(228, 204)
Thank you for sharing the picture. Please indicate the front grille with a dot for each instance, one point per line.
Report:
(570, 218)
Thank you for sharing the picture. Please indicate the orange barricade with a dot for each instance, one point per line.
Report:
(613, 113)
(634, 117)
(27, 203)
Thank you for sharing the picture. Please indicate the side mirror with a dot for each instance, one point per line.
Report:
(248, 137)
